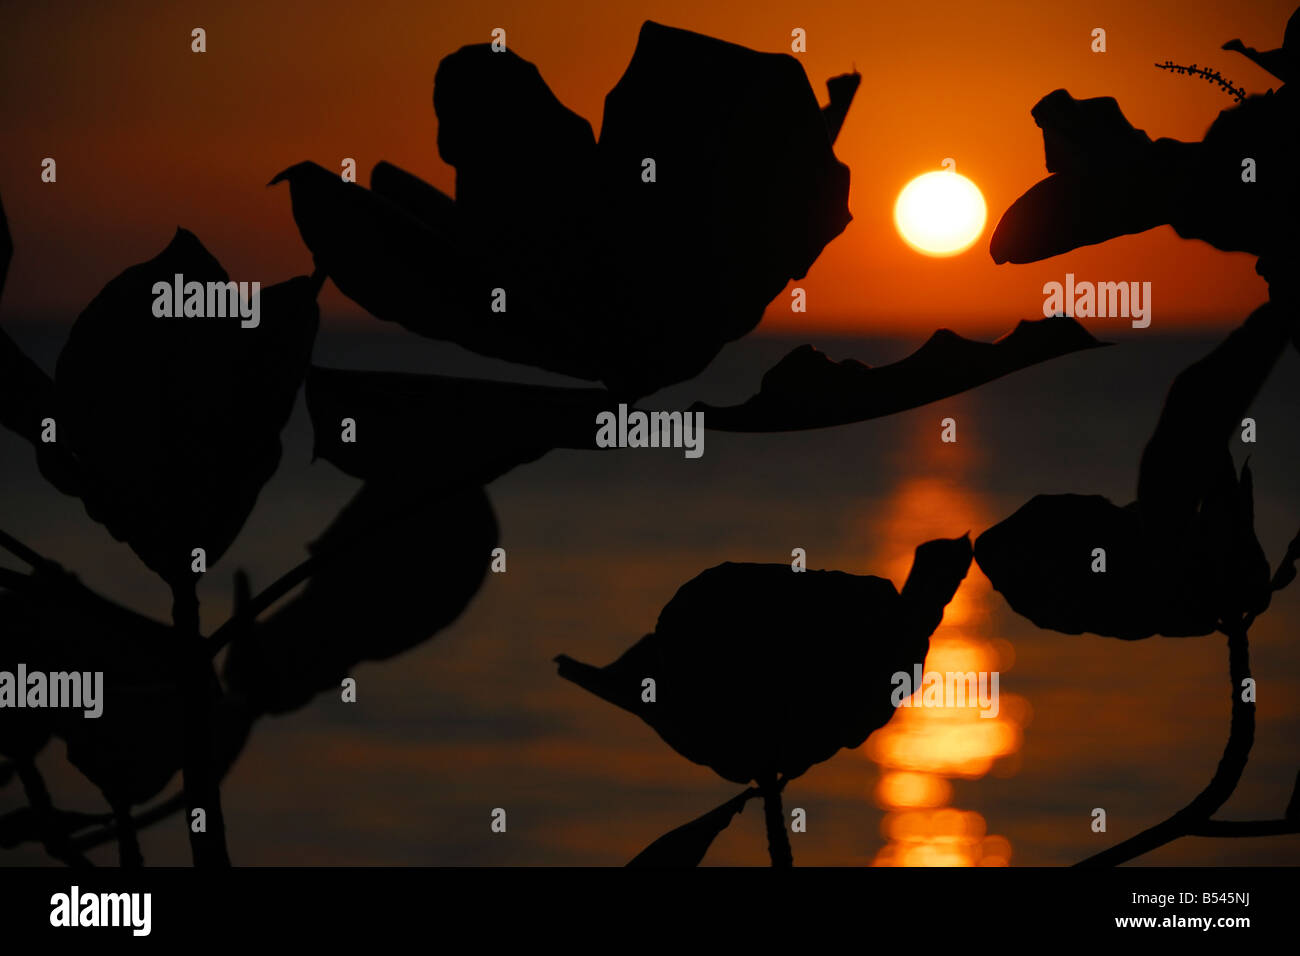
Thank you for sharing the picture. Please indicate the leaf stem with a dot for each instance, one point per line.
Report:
(53, 838)
(202, 789)
(245, 616)
(1196, 815)
(778, 840)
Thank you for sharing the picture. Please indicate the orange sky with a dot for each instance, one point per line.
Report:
(148, 135)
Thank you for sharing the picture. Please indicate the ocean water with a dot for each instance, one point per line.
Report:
(476, 718)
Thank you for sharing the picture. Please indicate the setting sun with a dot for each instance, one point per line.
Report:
(940, 213)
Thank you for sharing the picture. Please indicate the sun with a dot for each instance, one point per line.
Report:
(940, 213)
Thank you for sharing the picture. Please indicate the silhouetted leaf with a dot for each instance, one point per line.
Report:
(526, 195)
(1041, 560)
(687, 845)
(807, 390)
(427, 276)
(747, 194)
(394, 568)
(841, 89)
(451, 432)
(606, 275)
(1186, 456)
(414, 196)
(1188, 497)
(762, 671)
(1184, 556)
(175, 421)
(1111, 180)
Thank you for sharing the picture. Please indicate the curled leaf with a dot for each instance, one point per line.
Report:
(807, 390)
(759, 671)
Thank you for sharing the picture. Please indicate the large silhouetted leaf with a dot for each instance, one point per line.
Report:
(1041, 559)
(747, 193)
(760, 670)
(1044, 560)
(450, 431)
(1182, 558)
(807, 390)
(175, 421)
(686, 845)
(575, 256)
(429, 276)
(394, 568)
(1110, 179)
(526, 196)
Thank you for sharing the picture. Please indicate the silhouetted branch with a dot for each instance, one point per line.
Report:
(139, 821)
(20, 550)
(128, 843)
(1196, 815)
(202, 789)
(255, 606)
(1245, 828)
(52, 836)
(778, 840)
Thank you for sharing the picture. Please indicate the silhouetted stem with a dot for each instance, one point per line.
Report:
(20, 550)
(129, 856)
(1196, 815)
(38, 796)
(778, 841)
(202, 789)
(255, 606)
(139, 821)
(1245, 828)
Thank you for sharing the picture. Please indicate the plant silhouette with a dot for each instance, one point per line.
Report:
(1183, 559)
(759, 673)
(629, 275)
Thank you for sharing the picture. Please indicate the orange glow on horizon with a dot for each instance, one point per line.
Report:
(149, 135)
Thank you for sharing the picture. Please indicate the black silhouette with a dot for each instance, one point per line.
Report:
(1183, 559)
(1109, 179)
(761, 672)
(807, 390)
(170, 427)
(607, 276)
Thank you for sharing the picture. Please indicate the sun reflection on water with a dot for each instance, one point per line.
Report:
(924, 748)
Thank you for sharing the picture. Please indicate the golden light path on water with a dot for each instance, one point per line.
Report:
(924, 748)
